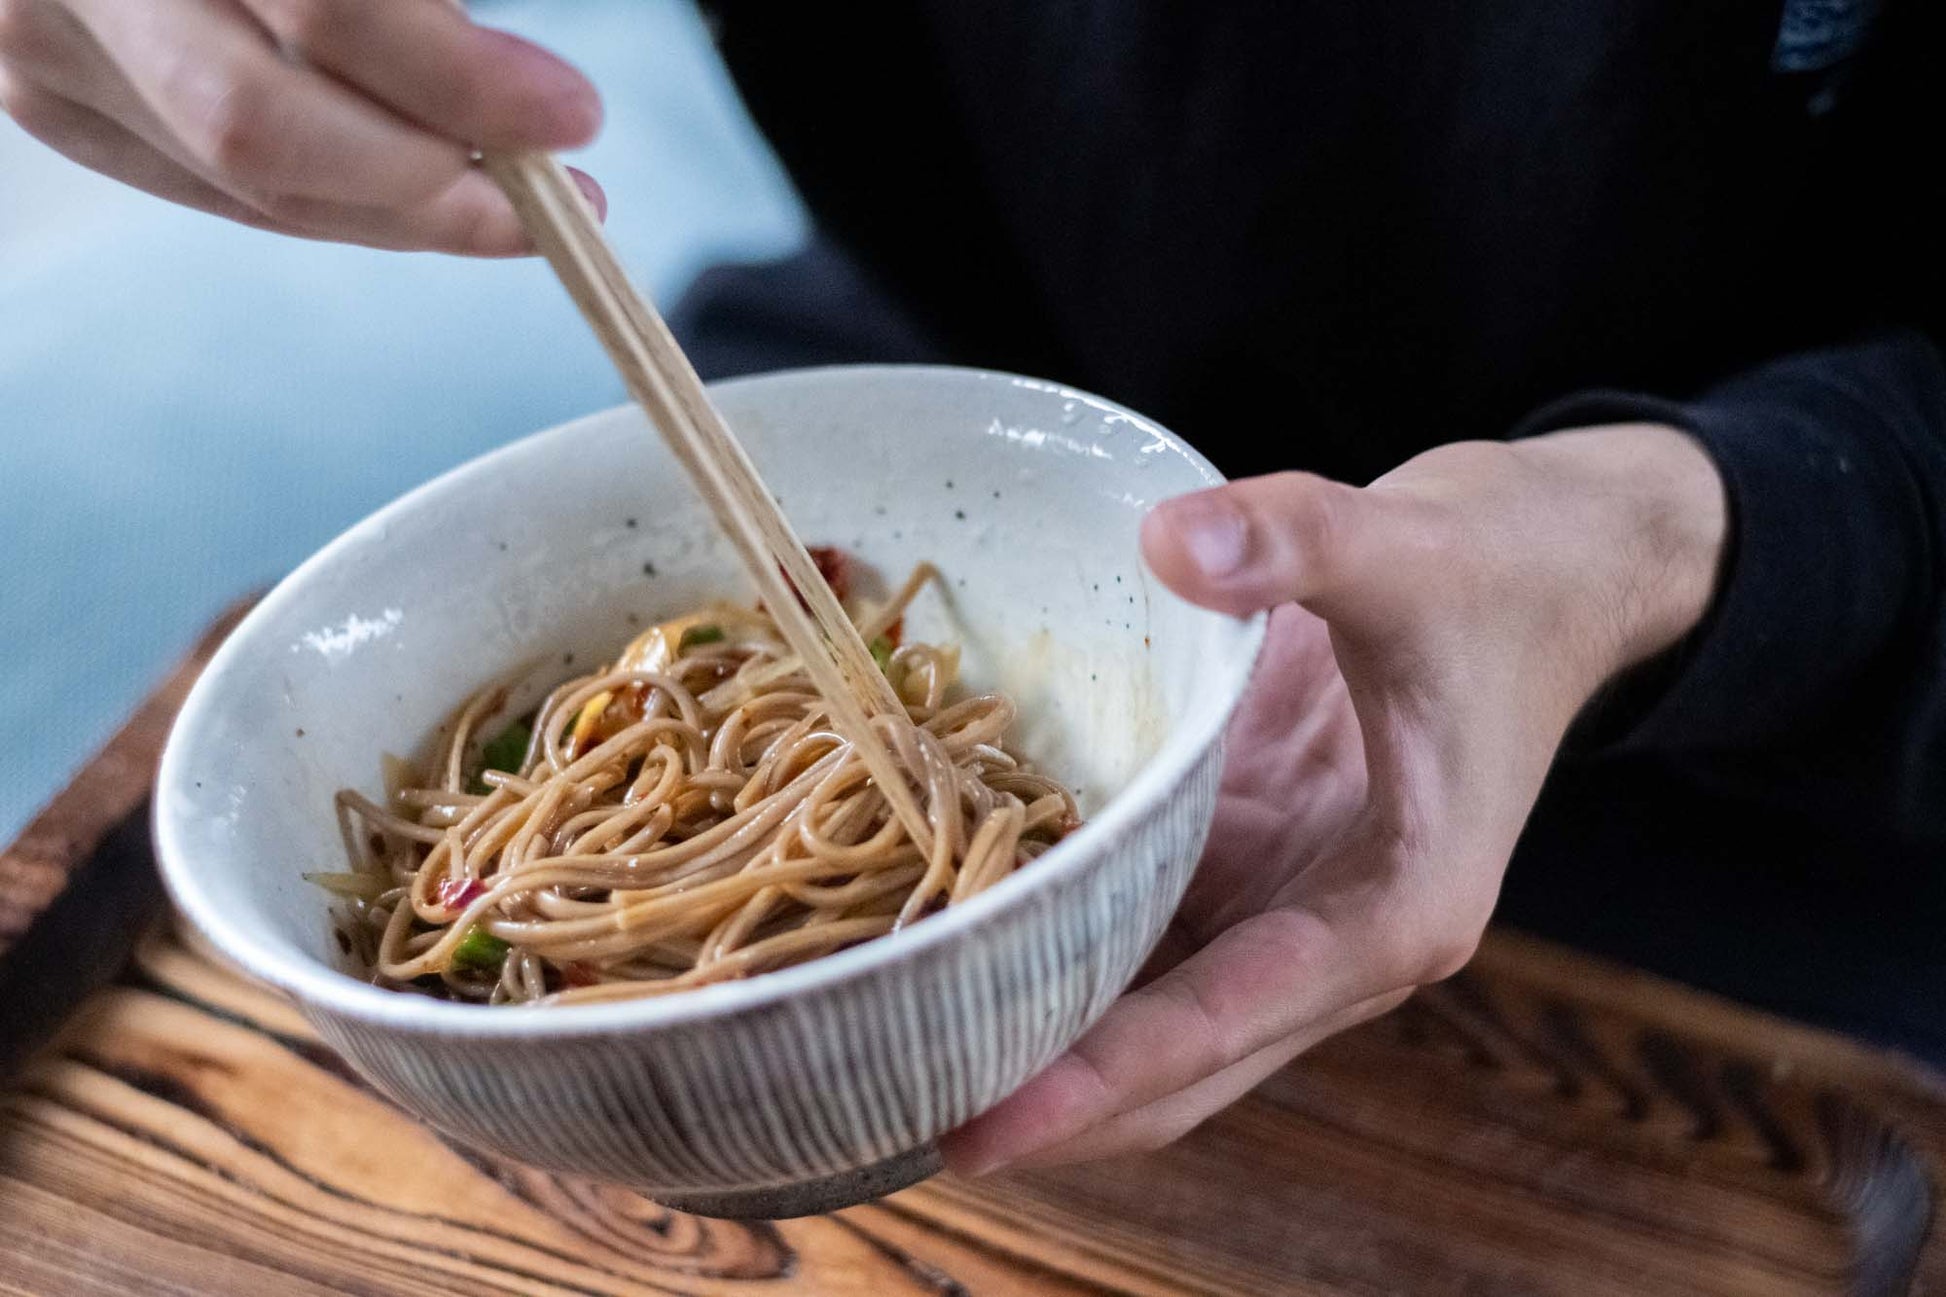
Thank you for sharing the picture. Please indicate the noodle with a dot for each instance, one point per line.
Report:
(685, 816)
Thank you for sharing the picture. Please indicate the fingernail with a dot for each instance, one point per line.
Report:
(1214, 532)
(596, 195)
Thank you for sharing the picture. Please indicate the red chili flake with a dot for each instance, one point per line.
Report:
(833, 564)
(895, 633)
(1066, 825)
(458, 893)
(579, 974)
(631, 702)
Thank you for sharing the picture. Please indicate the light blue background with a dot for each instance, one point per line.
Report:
(188, 408)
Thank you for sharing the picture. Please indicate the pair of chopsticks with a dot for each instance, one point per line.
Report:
(663, 382)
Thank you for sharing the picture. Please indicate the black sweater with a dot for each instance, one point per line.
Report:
(1330, 235)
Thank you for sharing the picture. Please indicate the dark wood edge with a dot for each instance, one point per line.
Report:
(1728, 1024)
(38, 867)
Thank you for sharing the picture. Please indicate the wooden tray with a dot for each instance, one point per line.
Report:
(1540, 1124)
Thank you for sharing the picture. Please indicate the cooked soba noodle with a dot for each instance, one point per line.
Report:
(684, 816)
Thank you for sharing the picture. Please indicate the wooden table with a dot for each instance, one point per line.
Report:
(1540, 1124)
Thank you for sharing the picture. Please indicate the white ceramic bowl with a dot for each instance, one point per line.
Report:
(819, 1085)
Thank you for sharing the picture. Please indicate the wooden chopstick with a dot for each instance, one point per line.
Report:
(663, 382)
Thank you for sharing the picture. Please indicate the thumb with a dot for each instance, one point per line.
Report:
(1265, 541)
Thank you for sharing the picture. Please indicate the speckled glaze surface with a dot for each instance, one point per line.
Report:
(813, 1087)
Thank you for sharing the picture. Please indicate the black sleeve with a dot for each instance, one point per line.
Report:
(1818, 680)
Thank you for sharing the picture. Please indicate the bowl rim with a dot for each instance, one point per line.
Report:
(315, 985)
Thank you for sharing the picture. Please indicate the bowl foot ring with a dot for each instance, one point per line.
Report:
(812, 1197)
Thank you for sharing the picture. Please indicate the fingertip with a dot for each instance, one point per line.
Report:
(563, 108)
(1160, 549)
(1198, 545)
(578, 117)
(495, 237)
(962, 1153)
(979, 1148)
(1050, 1109)
(484, 224)
(592, 190)
(475, 219)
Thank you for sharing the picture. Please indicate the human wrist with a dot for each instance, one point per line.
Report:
(1658, 517)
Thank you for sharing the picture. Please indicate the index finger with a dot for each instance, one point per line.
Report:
(429, 62)
(257, 126)
(1273, 978)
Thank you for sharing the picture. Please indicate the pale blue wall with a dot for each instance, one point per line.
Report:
(188, 408)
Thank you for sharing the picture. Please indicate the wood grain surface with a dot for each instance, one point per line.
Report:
(1542, 1124)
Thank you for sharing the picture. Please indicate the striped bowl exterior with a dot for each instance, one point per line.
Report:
(838, 1078)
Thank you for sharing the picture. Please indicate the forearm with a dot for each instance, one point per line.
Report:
(1817, 681)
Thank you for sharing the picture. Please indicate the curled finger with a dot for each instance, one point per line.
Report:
(427, 61)
(1165, 1120)
(471, 218)
(253, 123)
(1267, 980)
(85, 136)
